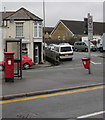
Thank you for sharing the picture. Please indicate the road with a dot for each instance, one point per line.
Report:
(87, 103)
(67, 74)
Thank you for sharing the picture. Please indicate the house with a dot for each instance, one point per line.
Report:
(22, 24)
(68, 29)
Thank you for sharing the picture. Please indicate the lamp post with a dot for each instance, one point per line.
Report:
(90, 36)
(44, 29)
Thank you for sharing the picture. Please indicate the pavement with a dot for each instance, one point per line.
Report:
(29, 87)
(45, 64)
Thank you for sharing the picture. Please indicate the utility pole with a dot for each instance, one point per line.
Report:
(90, 36)
(1, 37)
(44, 29)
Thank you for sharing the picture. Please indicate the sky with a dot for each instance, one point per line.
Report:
(58, 9)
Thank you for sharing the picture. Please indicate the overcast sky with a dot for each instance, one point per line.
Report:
(59, 9)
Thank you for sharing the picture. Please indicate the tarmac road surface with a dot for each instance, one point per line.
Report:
(67, 74)
(80, 103)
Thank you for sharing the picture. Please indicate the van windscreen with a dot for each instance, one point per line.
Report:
(65, 49)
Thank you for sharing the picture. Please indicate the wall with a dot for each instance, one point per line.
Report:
(61, 31)
(1, 45)
(9, 32)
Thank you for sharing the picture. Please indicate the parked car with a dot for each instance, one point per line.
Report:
(83, 46)
(26, 63)
(64, 44)
(45, 45)
(67, 44)
(65, 51)
(1, 65)
(51, 46)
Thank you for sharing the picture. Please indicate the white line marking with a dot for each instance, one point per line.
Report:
(52, 69)
(95, 63)
(92, 114)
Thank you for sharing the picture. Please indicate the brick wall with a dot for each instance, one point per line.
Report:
(61, 32)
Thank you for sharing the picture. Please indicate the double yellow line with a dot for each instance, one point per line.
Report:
(50, 95)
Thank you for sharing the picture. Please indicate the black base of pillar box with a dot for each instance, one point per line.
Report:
(9, 79)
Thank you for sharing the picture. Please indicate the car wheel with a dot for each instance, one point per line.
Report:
(94, 50)
(26, 66)
(57, 62)
(1, 68)
(71, 59)
(76, 49)
(86, 50)
(57, 59)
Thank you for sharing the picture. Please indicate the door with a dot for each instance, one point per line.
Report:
(36, 54)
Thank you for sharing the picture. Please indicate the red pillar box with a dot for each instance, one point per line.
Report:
(9, 66)
(86, 62)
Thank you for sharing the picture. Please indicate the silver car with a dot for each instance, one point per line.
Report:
(83, 46)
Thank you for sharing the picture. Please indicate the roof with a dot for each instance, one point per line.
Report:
(49, 29)
(77, 27)
(21, 14)
(98, 27)
(6, 14)
(65, 45)
(74, 26)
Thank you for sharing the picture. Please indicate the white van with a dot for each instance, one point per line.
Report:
(65, 51)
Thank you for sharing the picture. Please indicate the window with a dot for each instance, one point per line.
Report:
(59, 37)
(24, 46)
(65, 49)
(40, 30)
(24, 49)
(37, 30)
(57, 49)
(19, 29)
(84, 44)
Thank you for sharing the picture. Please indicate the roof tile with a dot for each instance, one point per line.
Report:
(77, 27)
(21, 14)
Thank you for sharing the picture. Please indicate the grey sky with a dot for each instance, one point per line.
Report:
(59, 10)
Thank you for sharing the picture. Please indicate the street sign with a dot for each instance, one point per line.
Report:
(90, 27)
(90, 24)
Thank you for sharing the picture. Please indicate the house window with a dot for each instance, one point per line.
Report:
(40, 30)
(37, 30)
(24, 46)
(19, 29)
(59, 37)
(63, 37)
(24, 49)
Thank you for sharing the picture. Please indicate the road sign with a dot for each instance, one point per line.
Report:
(90, 27)
(90, 24)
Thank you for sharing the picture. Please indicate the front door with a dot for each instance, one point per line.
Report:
(36, 54)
